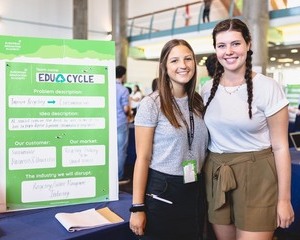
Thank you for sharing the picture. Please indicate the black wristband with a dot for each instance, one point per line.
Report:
(138, 208)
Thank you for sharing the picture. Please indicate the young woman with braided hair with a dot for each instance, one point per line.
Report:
(248, 169)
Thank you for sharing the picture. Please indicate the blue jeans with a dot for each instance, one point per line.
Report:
(123, 133)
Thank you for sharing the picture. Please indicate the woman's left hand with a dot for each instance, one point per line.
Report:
(285, 214)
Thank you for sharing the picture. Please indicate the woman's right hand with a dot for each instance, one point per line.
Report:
(138, 222)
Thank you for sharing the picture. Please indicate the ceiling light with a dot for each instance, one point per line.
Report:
(273, 59)
(294, 50)
(285, 60)
(296, 62)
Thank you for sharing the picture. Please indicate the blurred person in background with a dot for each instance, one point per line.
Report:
(154, 84)
(210, 64)
(123, 109)
(206, 11)
(135, 99)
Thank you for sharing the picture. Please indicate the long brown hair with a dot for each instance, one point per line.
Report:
(165, 90)
(238, 26)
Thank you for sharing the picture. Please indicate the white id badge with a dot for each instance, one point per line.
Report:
(189, 171)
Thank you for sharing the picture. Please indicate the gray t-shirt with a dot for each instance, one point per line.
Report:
(170, 145)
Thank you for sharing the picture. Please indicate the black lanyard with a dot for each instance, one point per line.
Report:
(190, 130)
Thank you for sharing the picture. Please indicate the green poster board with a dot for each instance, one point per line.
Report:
(58, 125)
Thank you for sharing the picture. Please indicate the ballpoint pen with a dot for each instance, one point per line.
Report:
(159, 198)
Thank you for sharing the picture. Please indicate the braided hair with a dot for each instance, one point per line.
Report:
(239, 26)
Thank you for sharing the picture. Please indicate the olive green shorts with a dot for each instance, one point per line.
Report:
(251, 201)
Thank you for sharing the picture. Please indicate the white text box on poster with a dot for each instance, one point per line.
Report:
(58, 189)
(93, 155)
(32, 158)
(16, 124)
(27, 101)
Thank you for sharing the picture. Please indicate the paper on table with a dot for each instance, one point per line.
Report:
(90, 218)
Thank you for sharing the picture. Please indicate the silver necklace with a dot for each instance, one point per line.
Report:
(233, 91)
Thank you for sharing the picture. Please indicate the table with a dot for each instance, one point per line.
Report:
(293, 232)
(295, 155)
(39, 224)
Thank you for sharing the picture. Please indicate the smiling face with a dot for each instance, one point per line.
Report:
(231, 50)
(180, 65)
